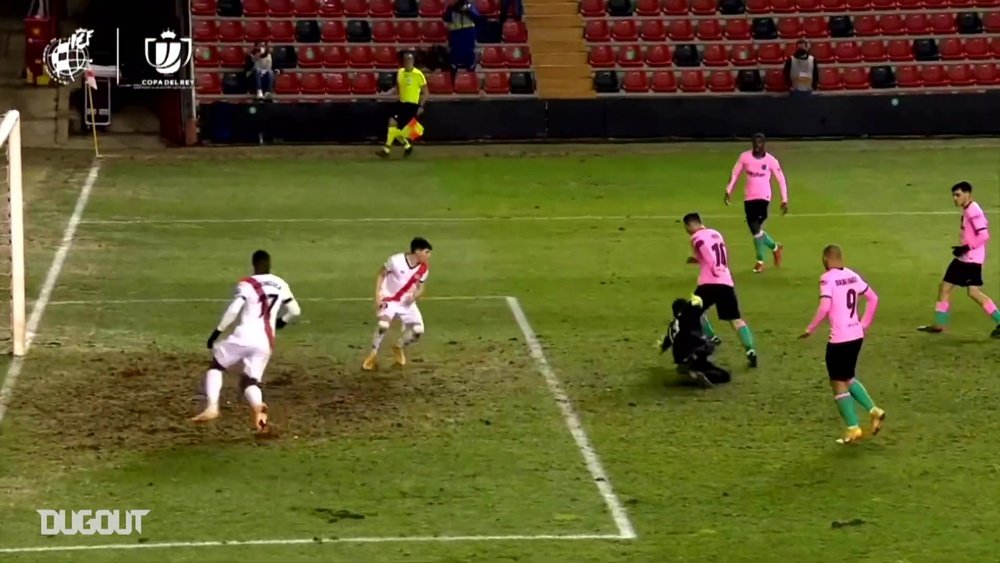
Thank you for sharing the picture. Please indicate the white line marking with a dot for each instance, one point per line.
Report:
(352, 220)
(601, 479)
(14, 370)
(303, 299)
(387, 539)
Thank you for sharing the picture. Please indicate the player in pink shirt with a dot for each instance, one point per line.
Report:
(840, 290)
(966, 270)
(715, 282)
(759, 166)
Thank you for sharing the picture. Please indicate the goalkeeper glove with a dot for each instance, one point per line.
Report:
(959, 250)
(213, 338)
(280, 324)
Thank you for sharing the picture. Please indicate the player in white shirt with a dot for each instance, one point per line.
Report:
(398, 286)
(258, 301)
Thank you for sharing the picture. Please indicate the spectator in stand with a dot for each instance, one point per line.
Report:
(801, 71)
(263, 70)
(462, 17)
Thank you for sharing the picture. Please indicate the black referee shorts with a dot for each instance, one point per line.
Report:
(723, 297)
(964, 274)
(842, 359)
(403, 112)
(756, 212)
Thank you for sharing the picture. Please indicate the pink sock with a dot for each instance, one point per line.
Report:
(942, 307)
(989, 307)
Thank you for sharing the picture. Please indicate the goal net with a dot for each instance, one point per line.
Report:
(12, 321)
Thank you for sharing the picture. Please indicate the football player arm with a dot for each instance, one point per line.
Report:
(733, 177)
(232, 311)
(292, 312)
(980, 233)
(424, 93)
(871, 304)
(782, 184)
(821, 312)
(418, 292)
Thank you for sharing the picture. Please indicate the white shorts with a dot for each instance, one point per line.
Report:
(254, 359)
(408, 314)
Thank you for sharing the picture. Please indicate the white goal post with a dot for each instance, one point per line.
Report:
(13, 229)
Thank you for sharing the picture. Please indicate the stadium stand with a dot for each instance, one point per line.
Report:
(717, 47)
(344, 49)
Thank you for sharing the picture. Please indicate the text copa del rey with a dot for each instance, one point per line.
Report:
(90, 522)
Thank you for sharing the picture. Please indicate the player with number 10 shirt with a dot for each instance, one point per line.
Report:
(715, 282)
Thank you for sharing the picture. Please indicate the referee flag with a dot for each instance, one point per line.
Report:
(413, 130)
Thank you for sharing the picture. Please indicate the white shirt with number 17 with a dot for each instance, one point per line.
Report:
(263, 294)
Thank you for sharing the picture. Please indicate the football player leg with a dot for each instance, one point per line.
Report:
(385, 315)
(253, 373)
(225, 354)
(953, 276)
(989, 307)
(708, 297)
(728, 309)
(841, 361)
(413, 329)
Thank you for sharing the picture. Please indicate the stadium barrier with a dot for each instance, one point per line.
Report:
(612, 118)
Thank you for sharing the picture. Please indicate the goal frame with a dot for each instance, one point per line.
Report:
(10, 139)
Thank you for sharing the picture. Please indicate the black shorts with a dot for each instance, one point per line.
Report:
(756, 212)
(842, 359)
(403, 112)
(964, 274)
(723, 297)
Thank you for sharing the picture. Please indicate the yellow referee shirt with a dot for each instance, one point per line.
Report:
(410, 82)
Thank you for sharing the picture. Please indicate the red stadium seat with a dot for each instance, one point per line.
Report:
(859, 5)
(360, 56)
(305, 8)
(675, 8)
(833, 5)
(848, 52)
(466, 82)
(337, 83)
(976, 48)
(386, 58)
(823, 52)
(333, 32)
(703, 7)
(807, 6)
(961, 3)
(380, 8)
(774, 81)
(208, 83)
(917, 24)
(256, 30)
(496, 83)
(986, 74)
(658, 56)
(991, 22)
(280, 8)
(692, 81)
(891, 24)
(364, 84)
(865, 26)
(961, 75)
(592, 8)
(933, 76)
(203, 7)
(439, 84)
(664, 82)
(680, 30)
(987, 3)
(743, 55)
(282, 31)
(829, 79)
(309, 56)
(647, 8)
(432, 8)
(770, 53)
(312, 83)
(232, 56)
(908, 76)
(900, 50)
(232, 31)
(383, 32)
(951, 49)
(995, 47)
(596, 31)
(334, 56)
(709, 29)
(517, 57)
(653, 31)
(409, 32)
(873, 51)
(492, 57)
(331, 9)
(883, 5)
(814, 27)
(356, 8)
(601, 56)
(758, 6)
(205, 56)
(721, 81)
(737, 29)
(254, 8)
(629, 56)
(515, 32)
(934, 4)
(908, 4)
(856, 78)
(625, 30)
(789, 28)
(433, 31)
(784, 6)
(205, 30)
(714, 54)
(286, 83)
(488, 8)
(635, 81)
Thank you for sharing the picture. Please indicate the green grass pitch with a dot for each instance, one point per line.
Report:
(467, 455)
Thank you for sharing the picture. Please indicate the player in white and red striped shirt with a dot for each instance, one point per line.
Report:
(398, 286)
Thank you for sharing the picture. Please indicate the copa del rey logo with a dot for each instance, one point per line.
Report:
(90, 522)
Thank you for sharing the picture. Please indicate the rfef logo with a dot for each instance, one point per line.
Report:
(90, 522)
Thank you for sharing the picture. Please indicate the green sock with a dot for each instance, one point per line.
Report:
(707, 327)
(746, 337)
(768, 241)
(996, 316)
(758, 246)
(940, 318)
(861, 395)
(846, 407)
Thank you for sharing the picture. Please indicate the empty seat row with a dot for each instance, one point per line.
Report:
(853, 78)
(716, 54)
(367, 83)
(653, 8)
(340, 56)
(334, 8)
(970, 23)
(354, 31)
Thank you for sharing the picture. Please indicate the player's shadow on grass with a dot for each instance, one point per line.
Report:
(665, 380)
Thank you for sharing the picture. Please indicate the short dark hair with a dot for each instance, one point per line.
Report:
(692, 218)
(420, 243)
(962, 187)
(760, 136)
(260, 257)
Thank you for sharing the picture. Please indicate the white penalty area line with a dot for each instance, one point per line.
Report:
(481, 219)
(357, 540)
(44, 296)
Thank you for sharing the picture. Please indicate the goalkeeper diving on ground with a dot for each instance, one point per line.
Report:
(691, 347)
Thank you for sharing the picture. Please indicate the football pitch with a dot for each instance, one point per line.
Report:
(537, 421)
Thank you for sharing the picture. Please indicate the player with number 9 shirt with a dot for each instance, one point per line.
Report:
(715, 282)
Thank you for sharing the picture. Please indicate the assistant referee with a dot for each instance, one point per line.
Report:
(412, 88)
